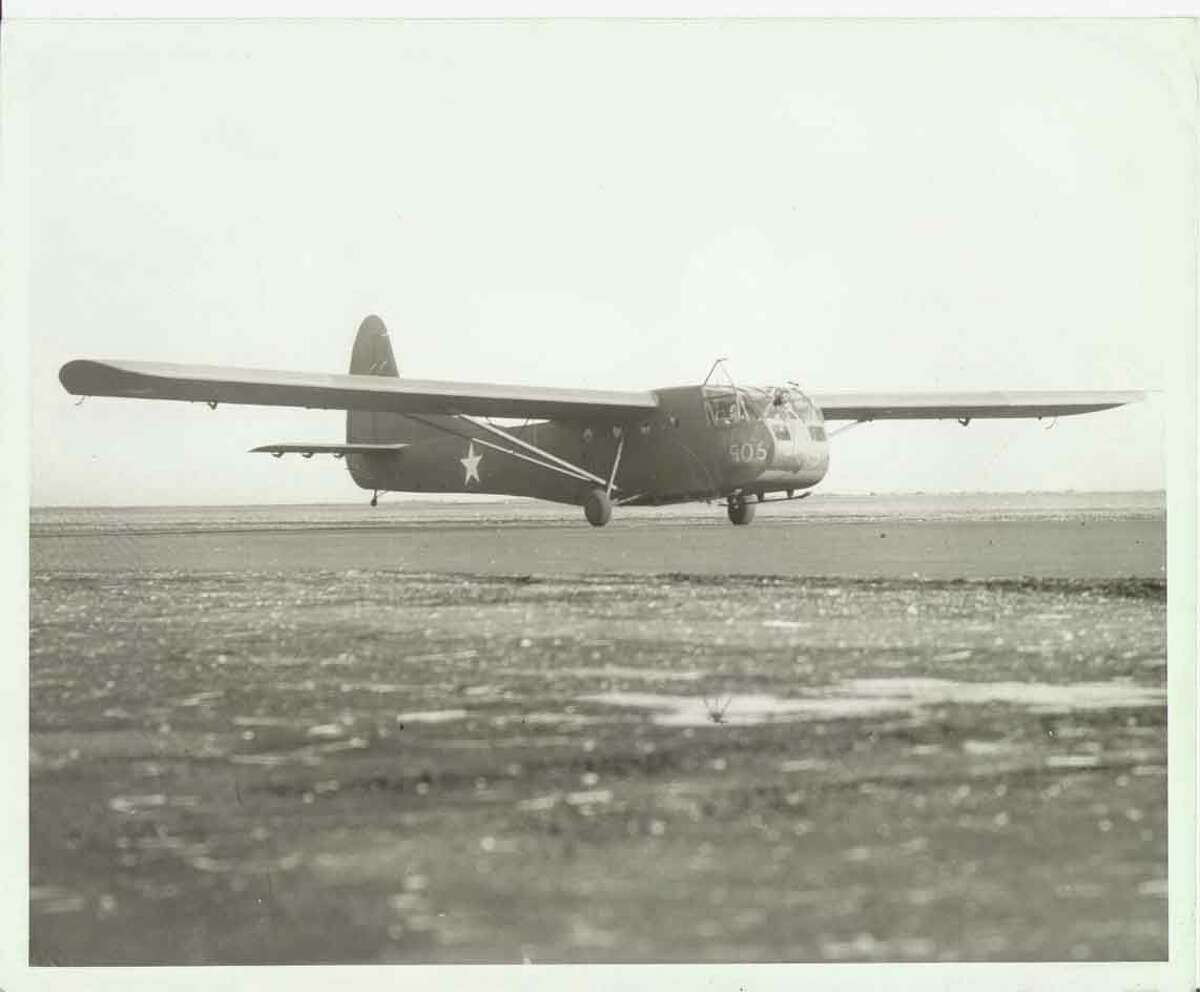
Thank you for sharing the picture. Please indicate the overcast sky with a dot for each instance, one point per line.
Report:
(853, 205)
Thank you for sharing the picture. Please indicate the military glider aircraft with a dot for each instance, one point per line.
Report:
(591, 448)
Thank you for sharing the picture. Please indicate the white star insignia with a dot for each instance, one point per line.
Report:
(471, 464)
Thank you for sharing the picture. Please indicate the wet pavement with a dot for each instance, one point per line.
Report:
(946, 537)
(381, 765)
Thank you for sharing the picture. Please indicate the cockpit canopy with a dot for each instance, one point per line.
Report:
(726, 405)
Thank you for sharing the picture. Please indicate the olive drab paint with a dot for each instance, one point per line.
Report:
(588, 447)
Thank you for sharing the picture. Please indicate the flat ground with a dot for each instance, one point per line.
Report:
(934, 730)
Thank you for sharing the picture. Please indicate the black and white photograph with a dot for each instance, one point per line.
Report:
(577, 491)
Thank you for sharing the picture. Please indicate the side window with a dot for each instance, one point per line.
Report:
(728, 405)
(722, 410)
(809, 413)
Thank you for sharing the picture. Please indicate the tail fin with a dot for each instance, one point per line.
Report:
(372, 355)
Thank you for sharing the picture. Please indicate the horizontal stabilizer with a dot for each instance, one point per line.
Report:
(337, 450)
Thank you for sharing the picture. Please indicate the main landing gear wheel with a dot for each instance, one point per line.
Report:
(740, 511)
(597, 508)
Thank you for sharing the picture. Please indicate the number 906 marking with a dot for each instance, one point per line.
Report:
(747, 452)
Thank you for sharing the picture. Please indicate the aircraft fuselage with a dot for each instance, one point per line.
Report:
(594, 448)
(703, 442)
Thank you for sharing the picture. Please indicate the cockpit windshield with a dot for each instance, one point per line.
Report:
(726, 405)
(785, 403)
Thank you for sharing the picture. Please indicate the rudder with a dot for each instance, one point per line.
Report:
(372, 355)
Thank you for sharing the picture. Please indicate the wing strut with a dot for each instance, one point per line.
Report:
(847, 427)
(541, 453)
(538, 456)
(612, 476)
(527, 458)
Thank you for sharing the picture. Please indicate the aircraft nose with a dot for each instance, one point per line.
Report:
(785, 442)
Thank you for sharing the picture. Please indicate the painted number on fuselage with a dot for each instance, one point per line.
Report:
(747, 452)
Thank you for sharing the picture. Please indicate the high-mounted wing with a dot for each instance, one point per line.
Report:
(216, 384)
(968, 406)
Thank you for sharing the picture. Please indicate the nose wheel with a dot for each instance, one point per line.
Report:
(740, 511)
(597, 508)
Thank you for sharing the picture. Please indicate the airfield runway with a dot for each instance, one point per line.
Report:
(860, 729)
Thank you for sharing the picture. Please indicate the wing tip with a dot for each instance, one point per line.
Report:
(73, 375)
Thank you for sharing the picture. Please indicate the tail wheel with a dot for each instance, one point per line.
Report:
(740, 511)
(597, 508)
